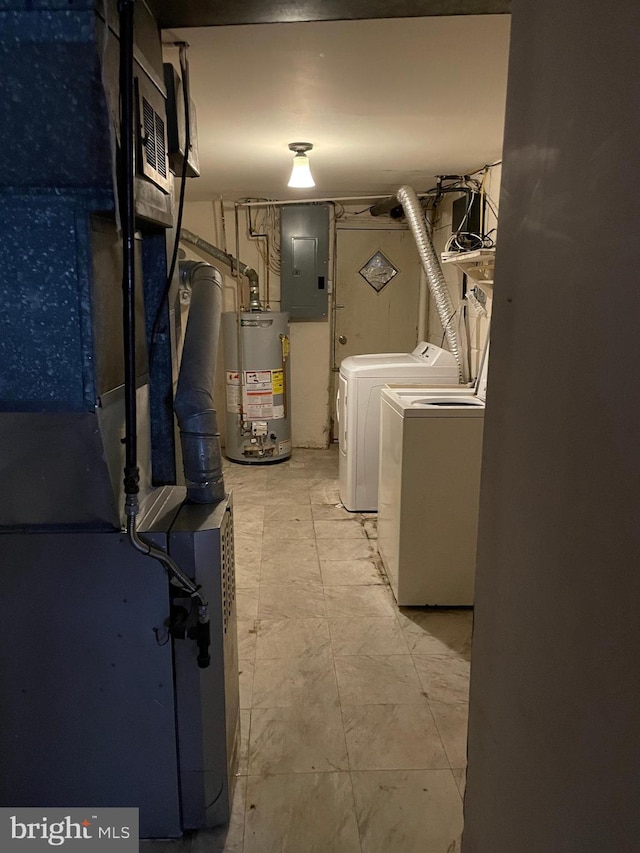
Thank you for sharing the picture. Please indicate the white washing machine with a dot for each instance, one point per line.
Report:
(430, 459)
(358, 412)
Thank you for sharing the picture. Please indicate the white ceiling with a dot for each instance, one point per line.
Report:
(385, 102)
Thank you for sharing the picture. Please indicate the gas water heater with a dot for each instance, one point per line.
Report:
(256, 359)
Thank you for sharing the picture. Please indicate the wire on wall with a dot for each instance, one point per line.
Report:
(266, 225)
(263, 226)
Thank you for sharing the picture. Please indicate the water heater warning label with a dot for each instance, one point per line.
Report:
(262, 394)
(257, 394)
(277, 381)
(233, 391)
(258, 379)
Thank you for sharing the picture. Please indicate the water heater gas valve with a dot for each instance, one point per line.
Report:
(259, 428)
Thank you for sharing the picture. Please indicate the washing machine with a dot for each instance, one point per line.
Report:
(358, 412)
(430, 460)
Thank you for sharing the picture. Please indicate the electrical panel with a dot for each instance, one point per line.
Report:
(304, 256)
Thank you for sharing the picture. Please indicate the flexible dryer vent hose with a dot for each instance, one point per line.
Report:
(428, 258)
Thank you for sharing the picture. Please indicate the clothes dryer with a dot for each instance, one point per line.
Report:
(430, 460)
(358, 412)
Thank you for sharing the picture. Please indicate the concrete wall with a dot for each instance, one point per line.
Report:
(553, 735)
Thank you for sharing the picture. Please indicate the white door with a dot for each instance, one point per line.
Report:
(375, 317)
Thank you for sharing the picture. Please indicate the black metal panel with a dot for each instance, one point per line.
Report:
(54, 472)
(212, 13)
(176, 126)
(467, 214)
(86, 690)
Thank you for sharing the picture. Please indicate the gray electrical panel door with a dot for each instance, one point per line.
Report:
(304, 255)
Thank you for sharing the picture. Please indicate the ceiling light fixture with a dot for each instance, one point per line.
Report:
(301, 173)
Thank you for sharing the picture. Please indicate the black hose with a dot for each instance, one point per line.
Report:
(127, 218)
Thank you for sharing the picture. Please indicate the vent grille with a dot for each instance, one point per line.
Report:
(161, 151)
(148, 118)
(228, 568)
(153, 143)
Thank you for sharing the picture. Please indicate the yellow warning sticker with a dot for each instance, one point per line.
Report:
(277, 381)
(284, 340)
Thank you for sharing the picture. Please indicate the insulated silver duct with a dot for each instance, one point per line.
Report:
(428, 258)
(228, 260)
(194, 404)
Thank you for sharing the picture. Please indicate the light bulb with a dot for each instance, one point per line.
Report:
(301, 173)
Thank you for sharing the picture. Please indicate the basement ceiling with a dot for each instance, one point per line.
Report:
(383, 101)
(215, 13)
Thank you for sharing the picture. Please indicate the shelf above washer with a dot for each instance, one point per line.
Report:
(478, 265)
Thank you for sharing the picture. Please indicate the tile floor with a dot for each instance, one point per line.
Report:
(353, 711)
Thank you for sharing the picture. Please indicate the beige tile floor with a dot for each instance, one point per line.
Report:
(353, 711)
